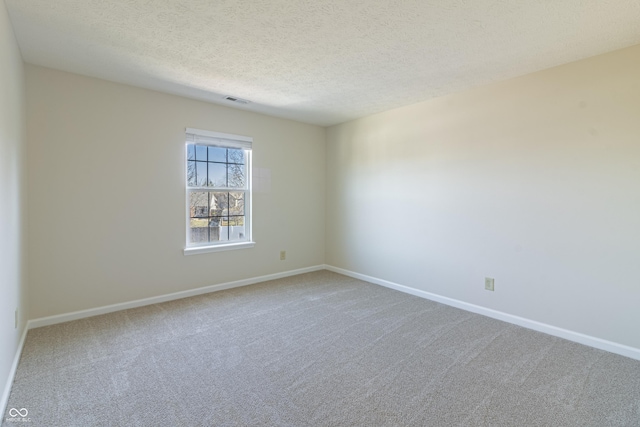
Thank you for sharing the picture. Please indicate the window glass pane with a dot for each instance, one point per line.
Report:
(214, 229)
(219, 204)
(201, 152)
(217, 154)
(236, 203)
(198, 231)
(191, 174)
(191, 152)
(237, 176)
(199, 204)
(236, 228)
(217, 175)
(201, 174)
(213, 205)
(224, 230)
(236, 155)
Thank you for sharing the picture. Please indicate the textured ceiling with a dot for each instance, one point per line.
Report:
(321, 61)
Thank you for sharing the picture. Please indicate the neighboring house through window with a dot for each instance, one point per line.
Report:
(218, 179)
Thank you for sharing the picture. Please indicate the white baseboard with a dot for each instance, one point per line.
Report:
(66, 317)
(12, 373)
(588, 340)
(598, 343)
(601, 344)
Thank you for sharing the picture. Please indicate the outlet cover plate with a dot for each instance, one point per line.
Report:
(488, 283)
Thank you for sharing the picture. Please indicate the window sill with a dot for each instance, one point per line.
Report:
(194, 250)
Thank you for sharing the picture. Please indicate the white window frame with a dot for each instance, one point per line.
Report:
(205, 137)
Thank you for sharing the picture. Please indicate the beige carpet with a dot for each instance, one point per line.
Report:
(318, 349)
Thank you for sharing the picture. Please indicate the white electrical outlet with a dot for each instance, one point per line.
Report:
(283, 255)
(488, 283)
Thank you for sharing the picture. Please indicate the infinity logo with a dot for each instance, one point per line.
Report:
(13, 412)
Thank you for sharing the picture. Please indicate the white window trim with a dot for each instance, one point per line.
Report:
(194, 250)
(195, 136)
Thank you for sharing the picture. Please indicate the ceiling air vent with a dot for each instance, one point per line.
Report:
(237, 100)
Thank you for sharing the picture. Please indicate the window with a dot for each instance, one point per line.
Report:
(218, 181)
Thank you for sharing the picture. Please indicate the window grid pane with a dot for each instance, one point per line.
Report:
(209, 171)
(216, 216)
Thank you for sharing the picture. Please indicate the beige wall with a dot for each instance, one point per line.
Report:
(533, 181)
(12, 200)
(106, 182)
